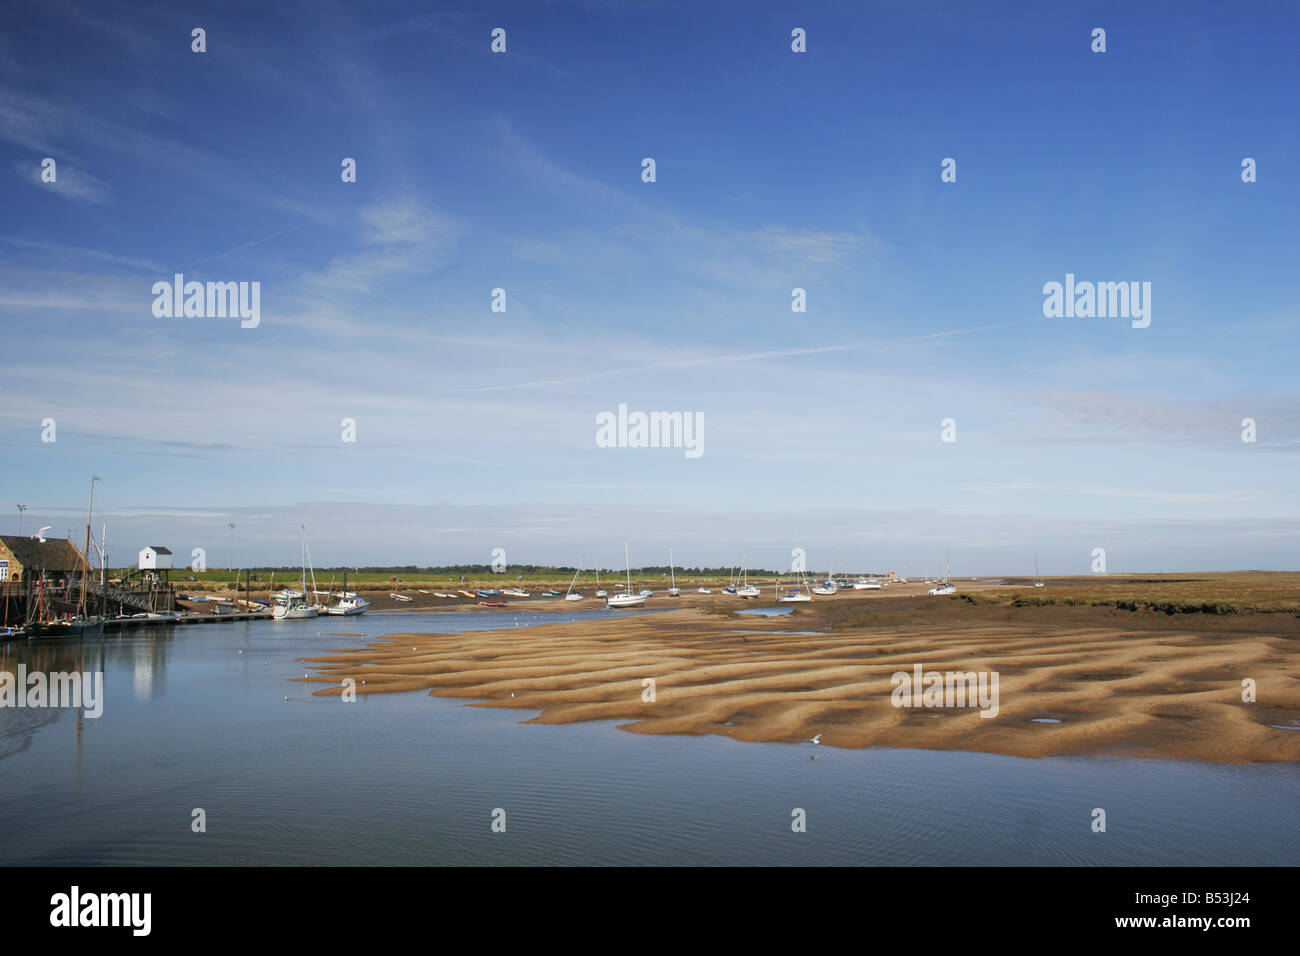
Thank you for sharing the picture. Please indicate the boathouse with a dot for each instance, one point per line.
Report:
(155, 558)
(21, 558)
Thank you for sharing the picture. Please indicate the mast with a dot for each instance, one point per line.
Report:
(85, 566)
(315, 595)
(628, 559)
(671, 570)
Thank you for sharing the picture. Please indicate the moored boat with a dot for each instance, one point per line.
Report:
(292, 606)
(349, 604)
(626, 598)
(68, 627)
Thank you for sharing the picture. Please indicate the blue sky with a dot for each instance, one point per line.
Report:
(775, 170)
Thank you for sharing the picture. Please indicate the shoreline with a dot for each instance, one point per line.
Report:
(1116, 685)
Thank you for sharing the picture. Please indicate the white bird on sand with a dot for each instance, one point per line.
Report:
(817, 739)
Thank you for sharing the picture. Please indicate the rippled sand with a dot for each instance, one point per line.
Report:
(1137, 685)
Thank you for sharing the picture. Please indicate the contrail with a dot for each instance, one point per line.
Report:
(248, 245)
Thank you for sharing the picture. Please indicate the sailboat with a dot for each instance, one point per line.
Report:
(730, 589)
(626, 598)
(572, 595)
(349, 604)
(673, 591)
(747, 590)
(600, 592)
(794, 595)
(80, 624)
(291, 605)
(1038, 582)
(830, 585)
(864, 583)
(947, 587)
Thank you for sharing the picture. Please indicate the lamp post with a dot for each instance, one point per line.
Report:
(21, 509)
(230, 562)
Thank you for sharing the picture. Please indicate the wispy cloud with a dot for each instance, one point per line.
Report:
(70, 182)
(412, 239)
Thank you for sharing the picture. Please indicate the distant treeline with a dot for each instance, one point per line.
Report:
(456, 569)
(520, 570)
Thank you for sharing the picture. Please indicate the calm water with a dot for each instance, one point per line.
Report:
(409, 779)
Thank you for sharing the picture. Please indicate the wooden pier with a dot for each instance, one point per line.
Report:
(124, 622)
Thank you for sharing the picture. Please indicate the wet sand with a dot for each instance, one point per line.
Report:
(1136, 684)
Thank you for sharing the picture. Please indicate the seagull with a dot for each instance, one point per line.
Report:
(817, 739)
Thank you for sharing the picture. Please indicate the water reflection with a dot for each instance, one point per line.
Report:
(196, 716)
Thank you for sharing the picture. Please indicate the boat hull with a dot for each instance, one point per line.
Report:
(86, 627)
(337, 611)
(294, 613)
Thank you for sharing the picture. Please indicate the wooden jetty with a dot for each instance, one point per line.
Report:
(186, 618)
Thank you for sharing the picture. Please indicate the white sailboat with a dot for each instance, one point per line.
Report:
(627, 598)
(600, 592)
(674, 590)
(830, 585)
(947, 587)
(349, 604)
(794, 595)
(1038, 582)
(745, 589)
(730, 589)
(291, 605)
(572, 595)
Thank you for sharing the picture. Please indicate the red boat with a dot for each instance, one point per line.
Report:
(491, 603)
